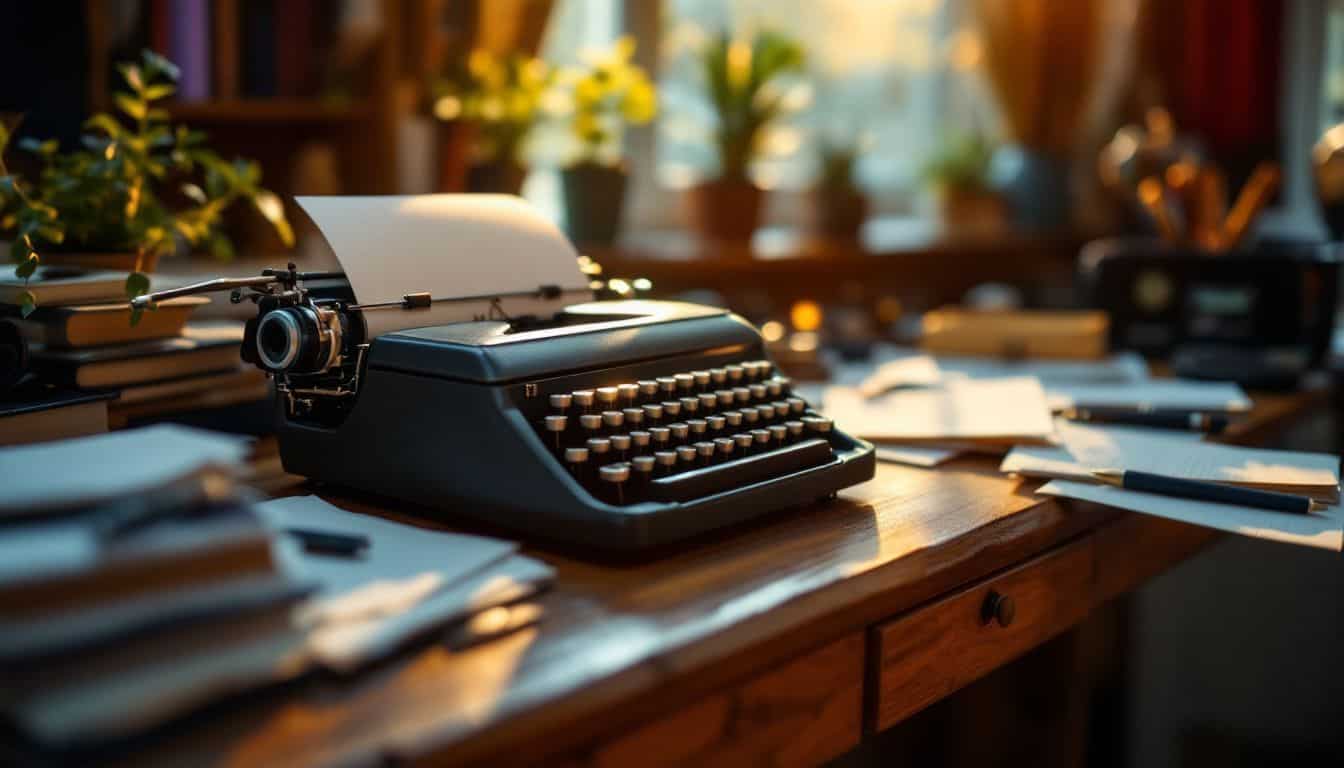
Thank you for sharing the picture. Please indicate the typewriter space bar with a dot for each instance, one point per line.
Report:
(739, 472)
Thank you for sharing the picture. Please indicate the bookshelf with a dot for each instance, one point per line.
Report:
(359, 122)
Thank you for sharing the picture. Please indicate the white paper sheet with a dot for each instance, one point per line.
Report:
(1122, 368)
(1323, 530)
(1055, 461)
(980, 410)
(915, 455)
(1154, 393)
(448, 246)
(1098, 447)
(87, 470)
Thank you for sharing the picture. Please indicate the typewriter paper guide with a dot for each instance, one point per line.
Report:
(448, 246)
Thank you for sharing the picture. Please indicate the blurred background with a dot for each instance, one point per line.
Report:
(831, 169)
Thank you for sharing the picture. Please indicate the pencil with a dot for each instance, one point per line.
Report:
(1153, 196)
(1202, 491)
(1259, 189)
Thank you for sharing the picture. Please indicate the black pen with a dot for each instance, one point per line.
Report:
(1203, 491)
(329, 543)
(1195, 421)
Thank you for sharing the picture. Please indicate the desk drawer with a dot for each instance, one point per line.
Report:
(932, 651)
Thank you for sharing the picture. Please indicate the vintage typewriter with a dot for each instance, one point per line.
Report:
(610, 425)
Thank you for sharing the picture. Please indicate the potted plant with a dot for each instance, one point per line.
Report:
(604, 96)
(743, 83)
(137, 188)
(959, 175)
(497, 99)
(840, 205)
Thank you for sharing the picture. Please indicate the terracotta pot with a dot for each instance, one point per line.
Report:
(972, 211)
(594, 201)
(840, 211)
(123, 261)
(725, 209)
(498, 178)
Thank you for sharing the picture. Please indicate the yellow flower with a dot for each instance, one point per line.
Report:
(640, 103)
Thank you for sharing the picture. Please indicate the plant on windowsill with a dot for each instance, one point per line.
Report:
(959, 176)
(603, 96)
(137, 189)
(743, 80)
(840, 205)
(498, 100)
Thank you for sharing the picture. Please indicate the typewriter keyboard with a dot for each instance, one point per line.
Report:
(684, 436)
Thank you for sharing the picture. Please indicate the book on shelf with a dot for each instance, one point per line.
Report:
(75, 326)
(40, 414)
(200, 349)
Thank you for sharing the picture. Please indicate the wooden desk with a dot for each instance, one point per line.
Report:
(786, 642)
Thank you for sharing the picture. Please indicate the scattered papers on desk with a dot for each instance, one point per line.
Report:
(909, 369)
(1095, 447)
(410, 580)
(916, 455)
(88, 470)
(1055, 461)
(1324, 530)
(1157, 394)
(988, 411)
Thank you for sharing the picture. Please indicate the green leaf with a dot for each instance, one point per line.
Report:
(136, 314)
(137, 284)
(269, 206)
(52, 234)
(105, 123)
(4, 136)
(159, 91)
(131, 74)
(133, 107)
(158, 65)
(28, 267)
(27, 303)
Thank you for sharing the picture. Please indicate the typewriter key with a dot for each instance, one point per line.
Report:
(785, 382)
(743, 441)
(640, 439)
(797, 404)
(750, 415)
(764, 366)
(734, 372)
(742, 394)
(781, 409)
(795, 428)
(583, 398)
(629, 392)
(643, 466)
(667, 384)
(718, 375)
(685, 455)
(599, 446)
(725, 446)
(778, 433)
(576, 458)
(705, 450)
(555, 425)
(648, 387)
(671, 408)
(660, 435)
(607, 395)
(725, 396)
(690, 404)
(734, 418)
(761, 437)
(716, 423)
(708, 401)
(679, 431)
(653, 412)
(560, 402)
(758, 391)
(818, 424)
(633, 416)
(590, 422)
(616, 475)
(766, 410)
(685, 382)
(612, 419)
(666, 459)
(701, 378)
(697, 426)
(621, 444)
(774, 387)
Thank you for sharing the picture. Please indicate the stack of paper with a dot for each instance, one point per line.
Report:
(966, 412)
(408, 582)
(1086, 448)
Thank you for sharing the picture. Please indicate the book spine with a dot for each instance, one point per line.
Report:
(258, 48)
(189, 48)
(226, 46)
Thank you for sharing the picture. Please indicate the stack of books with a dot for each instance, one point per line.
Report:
(129, 594)
(81, 340)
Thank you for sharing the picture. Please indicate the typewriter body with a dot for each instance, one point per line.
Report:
(610, 425)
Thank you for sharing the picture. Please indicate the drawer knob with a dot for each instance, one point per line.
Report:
(997, 607)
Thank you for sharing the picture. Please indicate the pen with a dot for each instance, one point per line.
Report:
(1202, 491)
(1194, 421)
(328, 543)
